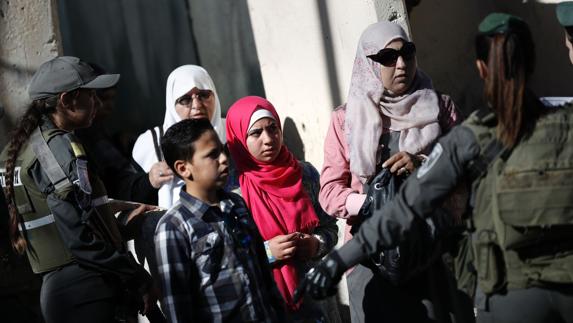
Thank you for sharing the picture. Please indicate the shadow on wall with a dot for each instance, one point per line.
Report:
(444, 32)
(142, 40)
(226, 47)
(145, 40)
(292, 139)
(329, 58)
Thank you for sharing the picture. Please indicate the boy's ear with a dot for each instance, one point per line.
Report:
(183, 169)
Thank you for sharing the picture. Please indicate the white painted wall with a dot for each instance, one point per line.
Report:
(306, 50)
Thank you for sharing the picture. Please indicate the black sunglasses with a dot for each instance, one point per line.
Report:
(389, 56)
(188, 99)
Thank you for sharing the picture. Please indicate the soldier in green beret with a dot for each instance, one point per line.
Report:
(565, 16)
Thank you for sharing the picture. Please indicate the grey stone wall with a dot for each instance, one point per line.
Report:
(29, 35)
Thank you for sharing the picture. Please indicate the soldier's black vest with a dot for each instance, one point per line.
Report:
(47, 249)
(523, 209)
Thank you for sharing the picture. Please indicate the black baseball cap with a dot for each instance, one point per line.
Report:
(67, 73)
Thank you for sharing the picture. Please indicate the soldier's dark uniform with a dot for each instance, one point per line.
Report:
(76, 245)
(19, 286)
(73, 238)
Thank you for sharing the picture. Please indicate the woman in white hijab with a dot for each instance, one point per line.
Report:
(190, 94)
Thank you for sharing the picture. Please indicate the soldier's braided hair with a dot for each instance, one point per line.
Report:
(29, 121)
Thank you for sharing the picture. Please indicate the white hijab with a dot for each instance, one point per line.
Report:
(182, 80)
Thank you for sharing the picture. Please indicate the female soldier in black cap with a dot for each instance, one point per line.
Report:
(59, 211)
(518, 157)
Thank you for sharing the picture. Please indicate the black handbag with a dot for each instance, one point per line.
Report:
(418, 250)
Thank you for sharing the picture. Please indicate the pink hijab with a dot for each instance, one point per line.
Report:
(273, 191)
(369, 109)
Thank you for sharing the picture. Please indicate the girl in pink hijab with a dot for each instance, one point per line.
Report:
(392, 118)
(281, 193)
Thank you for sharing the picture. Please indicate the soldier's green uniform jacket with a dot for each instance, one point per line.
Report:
(68, 219)
(523, 207)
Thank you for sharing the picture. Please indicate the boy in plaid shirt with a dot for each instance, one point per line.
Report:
(210, 256)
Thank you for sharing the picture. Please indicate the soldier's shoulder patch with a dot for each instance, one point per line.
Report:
(431, 161)
(83, 180)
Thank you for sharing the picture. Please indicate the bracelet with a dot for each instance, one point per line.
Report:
(270, 256)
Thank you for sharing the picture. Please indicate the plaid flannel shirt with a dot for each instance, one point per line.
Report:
(206, 273)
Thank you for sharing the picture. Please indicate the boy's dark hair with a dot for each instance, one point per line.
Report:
(178, 141)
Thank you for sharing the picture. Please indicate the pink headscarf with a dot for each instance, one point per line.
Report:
(369, 109)
(273, 191)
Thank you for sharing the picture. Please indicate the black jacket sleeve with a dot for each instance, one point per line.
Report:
(422, 193)
(123, 181)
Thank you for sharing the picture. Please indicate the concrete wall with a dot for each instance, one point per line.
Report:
(444, 33)
(29, 35)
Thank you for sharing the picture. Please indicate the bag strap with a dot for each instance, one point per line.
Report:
(48, 161)
(157, 142)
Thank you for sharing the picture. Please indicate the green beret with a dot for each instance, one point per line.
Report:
(565, 13)
(498, 23)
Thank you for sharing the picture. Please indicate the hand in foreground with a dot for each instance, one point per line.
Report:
(159, 174)
(320, 282)
(141, 209)
(283, 247)
(402, 163)
(307, 246)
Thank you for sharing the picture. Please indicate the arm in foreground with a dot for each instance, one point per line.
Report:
(388, 225)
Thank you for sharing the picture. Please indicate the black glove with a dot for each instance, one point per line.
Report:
(320, 282)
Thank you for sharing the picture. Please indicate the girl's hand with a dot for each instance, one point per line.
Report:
(284, 247)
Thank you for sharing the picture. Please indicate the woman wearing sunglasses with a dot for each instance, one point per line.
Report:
(391, 120)
(190, 94)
